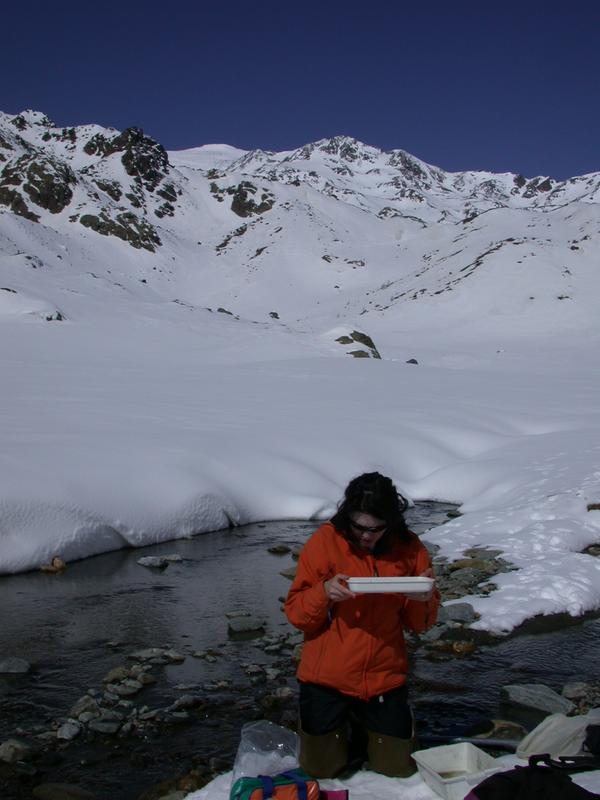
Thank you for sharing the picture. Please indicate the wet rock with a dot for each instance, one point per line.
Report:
(68, 731)
(154, 562)
(117, 674)
(478, 564)
(530, 703)
(245, 625)
(253, 669)
(154, 654)
(463, 648)
(434, 633)
(289, 573)
(13, 750)
(457, 612)
(279, 549)
(208, 655)
(174, 657)
(108, 726)
(456, 647)
(61, 791)
(57, 565)
(127, 688)
(284, 693)
(486, 553)
(14, 666)
(584, 695)
(187, 701)
(146, 679)
(297, 654)
(271, 673)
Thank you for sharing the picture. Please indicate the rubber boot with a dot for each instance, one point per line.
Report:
(391, 756)
(324, 755)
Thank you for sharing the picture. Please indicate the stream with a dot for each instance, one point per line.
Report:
(75, 626)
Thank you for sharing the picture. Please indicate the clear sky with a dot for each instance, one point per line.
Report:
(503, 86)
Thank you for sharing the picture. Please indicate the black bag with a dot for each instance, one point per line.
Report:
(533, 782)
(592, 740)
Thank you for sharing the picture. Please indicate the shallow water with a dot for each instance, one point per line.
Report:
(74, 627)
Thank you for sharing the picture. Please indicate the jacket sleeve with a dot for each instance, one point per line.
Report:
(307, 605)
(418, 615)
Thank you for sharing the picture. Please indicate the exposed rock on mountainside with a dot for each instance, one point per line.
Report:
(356, 337)
(243, 203)
(143, 158)
(45, 167)
(45, 180)
(137, 232)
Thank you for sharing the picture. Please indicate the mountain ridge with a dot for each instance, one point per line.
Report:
(333, 238)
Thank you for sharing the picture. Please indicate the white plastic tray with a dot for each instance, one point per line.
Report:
(452, 770)
(410, 585)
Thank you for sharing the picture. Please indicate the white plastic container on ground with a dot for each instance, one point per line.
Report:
(410, 585)
(452, 770)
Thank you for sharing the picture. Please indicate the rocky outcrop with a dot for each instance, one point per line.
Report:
(357, 337)
(126, 226)
(143, 158)
(245, 202)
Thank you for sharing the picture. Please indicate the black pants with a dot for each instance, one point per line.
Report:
(323, 710)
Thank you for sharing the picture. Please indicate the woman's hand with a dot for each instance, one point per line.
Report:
(424, 596)
(337, 590)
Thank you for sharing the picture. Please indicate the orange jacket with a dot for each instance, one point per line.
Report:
(356, 646)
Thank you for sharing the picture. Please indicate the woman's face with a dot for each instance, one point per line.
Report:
(367, 530)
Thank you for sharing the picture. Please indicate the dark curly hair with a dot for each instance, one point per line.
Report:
(374, 494)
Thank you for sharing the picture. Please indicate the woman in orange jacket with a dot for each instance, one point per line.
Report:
(354, 662)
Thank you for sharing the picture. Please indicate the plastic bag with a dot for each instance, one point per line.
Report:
(265, 749)
(558, 735)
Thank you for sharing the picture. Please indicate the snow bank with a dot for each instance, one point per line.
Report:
(123, 436)
(367, 785)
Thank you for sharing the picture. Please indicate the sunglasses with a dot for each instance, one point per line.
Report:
(367, 529)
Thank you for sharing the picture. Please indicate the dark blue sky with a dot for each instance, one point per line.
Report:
(503, 86)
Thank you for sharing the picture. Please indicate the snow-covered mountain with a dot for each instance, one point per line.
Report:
(334, 235)
(175, 331)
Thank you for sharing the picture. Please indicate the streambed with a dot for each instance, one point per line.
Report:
(76, 626)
